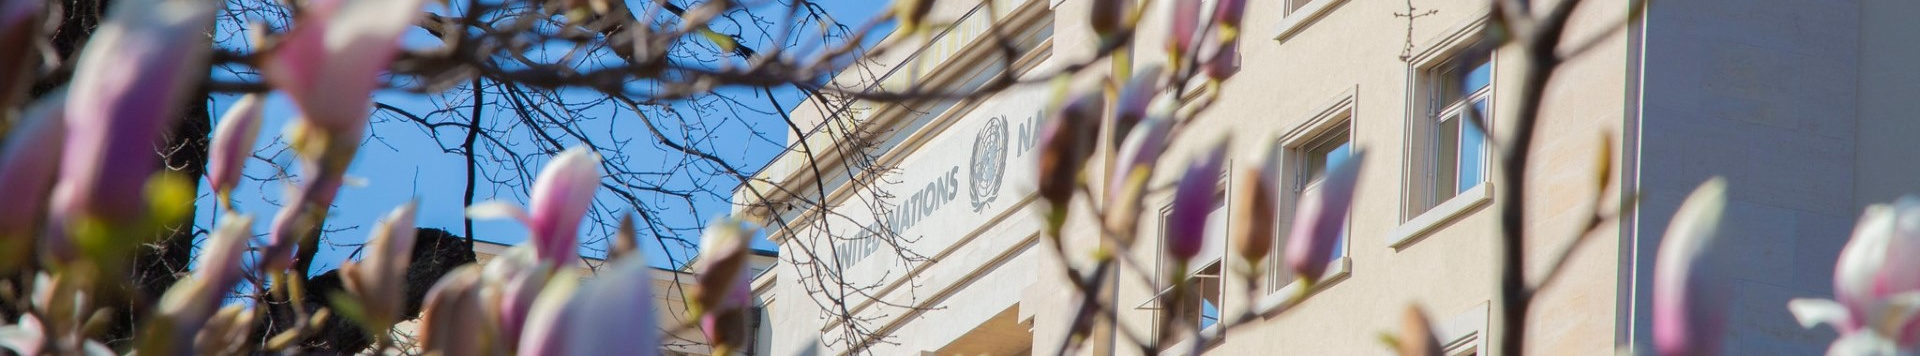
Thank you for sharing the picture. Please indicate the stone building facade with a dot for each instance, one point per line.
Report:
(926, 210)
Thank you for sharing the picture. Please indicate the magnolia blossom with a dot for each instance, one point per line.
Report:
(1108, 16)
(1689, 298)
(1185, 29)
(232, 145)
(191, 302)
(330, 63)
(726, 324)
(515, 279)
(599, 317)
(19, 27)
(128, 84)
(454, 319)
(379, 280)
(1319, 219)
(1416, 335)
(723, 259)
(1137, 97)
(27, 164)
(1193, 200)
(1065, 144)
(1138, 156)
(561, 195)
(1252, 226)
(1876, 285)
(1227, 13)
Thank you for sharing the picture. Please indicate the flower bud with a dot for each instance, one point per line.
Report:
(912, 14)
(232, 145)
(1065, 144)
(27, 166)
(608, 315)
(1224, 62)
(1689, 298)
(1183, 32)
(1252, 226)
(1416, 335)
(727, 326)
(1136, 98)
(19, 29)
(454, 320)
(188, 305)
(722, 261)
(626, 240)
(1193, 199)
(128, 84)
(1108, 16)
(1320, 219)
(1138, 157)
(561, 195)
(379, 280)
(1228, 13)
(330, 63)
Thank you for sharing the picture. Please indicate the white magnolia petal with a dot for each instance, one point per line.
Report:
(1863, 256)
(495, 209)
(1865, 344)
(1812, 312)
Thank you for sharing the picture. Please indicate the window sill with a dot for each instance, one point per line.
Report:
(1337, 271)
(1302, 17)
(1440, 214)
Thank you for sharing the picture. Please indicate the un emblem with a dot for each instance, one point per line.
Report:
(989, 162)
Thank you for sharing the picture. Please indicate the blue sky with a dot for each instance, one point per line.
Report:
(406, 162)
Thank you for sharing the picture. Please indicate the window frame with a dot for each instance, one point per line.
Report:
(1297, 15)
(1419, 213)
(1336, 117)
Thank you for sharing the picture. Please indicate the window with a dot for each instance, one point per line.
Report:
(1461, 90)
(1297, 14)
(1449, 148)
(1203, 303)
(1325, 140)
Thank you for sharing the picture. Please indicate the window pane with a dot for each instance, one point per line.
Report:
(1445, 159)
(1480, 76)
(1326, 153)
(1472, 153)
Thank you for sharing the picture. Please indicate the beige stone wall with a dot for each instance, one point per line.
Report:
(1786, 98)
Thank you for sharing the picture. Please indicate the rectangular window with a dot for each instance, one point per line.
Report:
(1458, 92)
(1322, 143)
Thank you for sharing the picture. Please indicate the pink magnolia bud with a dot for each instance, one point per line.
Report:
(609, 315)
(1689, 298)
(454, 320)
(727, 325)
(232, 145)
(27, 166)
(191, 302)
(330, 63)
(516, 297)
(722, 261)
(128, 85)
(1224, 62)
(19, 28)
(1319, 219)
(1108, 16)
(1065, 144)
(561, 195)
(1227, 13)
(1254, 209)
(1416, 335)
(1185, 29)
(1134, 168)
(379, 280)
(1193, 199)
(1136, 97)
